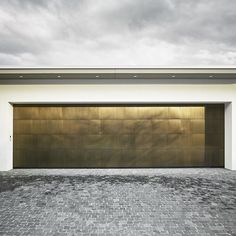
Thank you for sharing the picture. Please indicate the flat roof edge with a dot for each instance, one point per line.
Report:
(117, 70)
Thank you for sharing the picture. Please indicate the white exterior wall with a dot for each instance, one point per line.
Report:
(115, 93)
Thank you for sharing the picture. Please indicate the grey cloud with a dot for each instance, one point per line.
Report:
(21, 44)
(211, 20)
(112, 32)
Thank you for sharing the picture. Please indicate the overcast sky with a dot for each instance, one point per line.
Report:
(119, 33)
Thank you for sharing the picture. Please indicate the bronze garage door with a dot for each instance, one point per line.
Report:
(59, 136)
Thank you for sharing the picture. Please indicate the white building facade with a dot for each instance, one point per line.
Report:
(116, 86)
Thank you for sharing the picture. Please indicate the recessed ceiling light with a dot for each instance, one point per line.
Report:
(59, 76)
(97, 76)
(21, 76)
(135, 76)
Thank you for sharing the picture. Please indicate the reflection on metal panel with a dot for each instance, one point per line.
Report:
(119, 136)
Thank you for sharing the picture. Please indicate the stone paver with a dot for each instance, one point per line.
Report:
(118, 202)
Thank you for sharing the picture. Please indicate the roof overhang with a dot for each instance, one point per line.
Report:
(119, 75)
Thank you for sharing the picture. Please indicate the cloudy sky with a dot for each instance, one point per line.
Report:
(119, 33)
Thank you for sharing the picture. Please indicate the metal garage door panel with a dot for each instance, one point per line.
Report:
(118, 136)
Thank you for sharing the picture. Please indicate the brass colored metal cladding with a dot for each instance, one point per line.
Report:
(214, 136)
(118, 136)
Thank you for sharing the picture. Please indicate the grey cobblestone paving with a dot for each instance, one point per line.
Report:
(118, 202)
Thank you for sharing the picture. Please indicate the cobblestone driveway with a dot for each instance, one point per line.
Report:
(118, 202)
